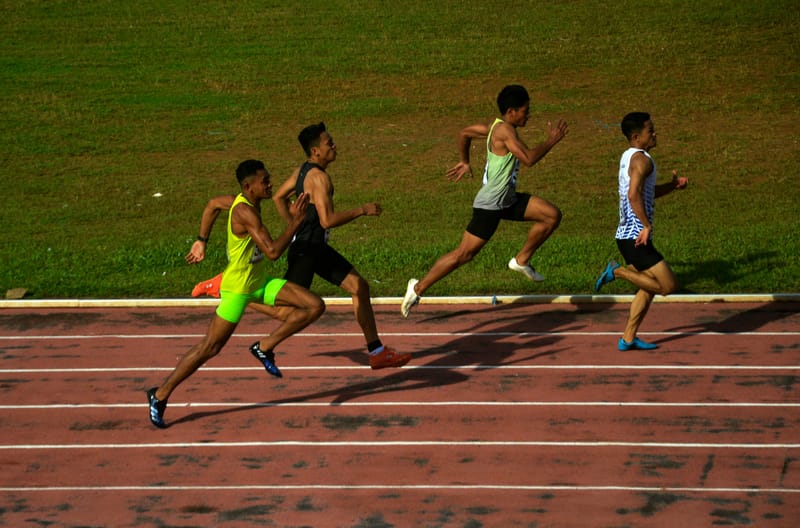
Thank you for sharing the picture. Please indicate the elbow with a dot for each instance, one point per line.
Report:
(273, 254)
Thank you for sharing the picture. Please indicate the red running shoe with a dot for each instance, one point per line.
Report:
(388, 358)
(209, 287)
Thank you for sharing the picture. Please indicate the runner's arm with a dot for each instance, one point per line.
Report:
(210, 214)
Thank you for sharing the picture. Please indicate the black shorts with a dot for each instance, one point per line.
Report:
(643, 257)
(485, 222)
(305, 260)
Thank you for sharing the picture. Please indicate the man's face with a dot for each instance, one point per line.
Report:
(647, 137)
(263, 184)
(518, 117)
(327, 148)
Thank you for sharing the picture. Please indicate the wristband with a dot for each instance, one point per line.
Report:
(201, 238)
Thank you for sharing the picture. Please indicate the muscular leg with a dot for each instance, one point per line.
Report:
(465, 252)
(219, 331)
(276, 312)
(358, 288)
(639, 307)
(546, 218)
(299, 307)
(658, 279)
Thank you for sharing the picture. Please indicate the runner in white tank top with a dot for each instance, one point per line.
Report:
(638, 190)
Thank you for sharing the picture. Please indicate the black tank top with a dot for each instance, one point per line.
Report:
(311, 230)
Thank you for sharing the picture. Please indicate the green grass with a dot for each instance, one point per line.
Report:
(106, 104)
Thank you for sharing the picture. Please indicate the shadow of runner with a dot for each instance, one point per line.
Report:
(488, 351)
(738, 322)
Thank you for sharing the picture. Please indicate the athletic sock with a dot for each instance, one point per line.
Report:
(375, 347)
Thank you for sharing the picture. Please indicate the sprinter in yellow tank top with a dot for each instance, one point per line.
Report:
(246, 281)
(498, 199)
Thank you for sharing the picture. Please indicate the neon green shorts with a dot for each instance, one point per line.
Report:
(232, 305)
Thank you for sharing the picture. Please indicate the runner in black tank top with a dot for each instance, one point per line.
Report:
(309, 253)
(311, 231)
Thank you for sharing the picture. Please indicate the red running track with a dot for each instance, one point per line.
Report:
(508, 415)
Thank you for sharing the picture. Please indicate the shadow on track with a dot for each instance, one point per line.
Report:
(507, 336)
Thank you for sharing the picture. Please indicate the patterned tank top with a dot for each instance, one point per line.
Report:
(629, 225)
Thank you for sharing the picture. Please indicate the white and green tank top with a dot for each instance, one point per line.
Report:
(499, 188)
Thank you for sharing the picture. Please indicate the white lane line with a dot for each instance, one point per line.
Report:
(184, 405)
(400, 443)
(28, 337)
(410, 487)
(476, 366)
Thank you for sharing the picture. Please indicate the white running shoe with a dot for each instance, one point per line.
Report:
(528, 271)
(411, 299)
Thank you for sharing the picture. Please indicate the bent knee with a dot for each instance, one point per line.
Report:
(554, 219)
(463, 257)
(317, 308)
(669, 290)
(208, 350)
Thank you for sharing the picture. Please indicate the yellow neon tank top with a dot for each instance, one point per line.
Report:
(245, 273)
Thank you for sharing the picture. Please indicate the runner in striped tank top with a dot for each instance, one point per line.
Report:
(638, 190)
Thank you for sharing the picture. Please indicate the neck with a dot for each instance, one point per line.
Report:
(253, 199)
(321, 163)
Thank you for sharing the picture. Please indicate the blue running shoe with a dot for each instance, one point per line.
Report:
(607, 275)
(636, 344)
(157, 408)
(267, 358)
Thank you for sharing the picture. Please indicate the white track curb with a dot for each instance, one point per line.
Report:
(484, 299)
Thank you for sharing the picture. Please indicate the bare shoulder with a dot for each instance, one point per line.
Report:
(318, 177)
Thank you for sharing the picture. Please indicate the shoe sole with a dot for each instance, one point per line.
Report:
(397, 363)
(405, 306)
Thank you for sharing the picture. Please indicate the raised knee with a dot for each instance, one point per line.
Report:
(317, 309)
(668, 289)
(553, 220)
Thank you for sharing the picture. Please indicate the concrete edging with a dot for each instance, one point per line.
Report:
(483, 299)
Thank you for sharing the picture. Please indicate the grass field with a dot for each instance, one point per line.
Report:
(106, 104)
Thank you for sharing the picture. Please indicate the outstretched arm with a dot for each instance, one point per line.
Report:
(210, 214)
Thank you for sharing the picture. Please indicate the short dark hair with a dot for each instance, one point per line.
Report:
(512, 96)
(310, 136)
(248, 168)
(633, 123)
